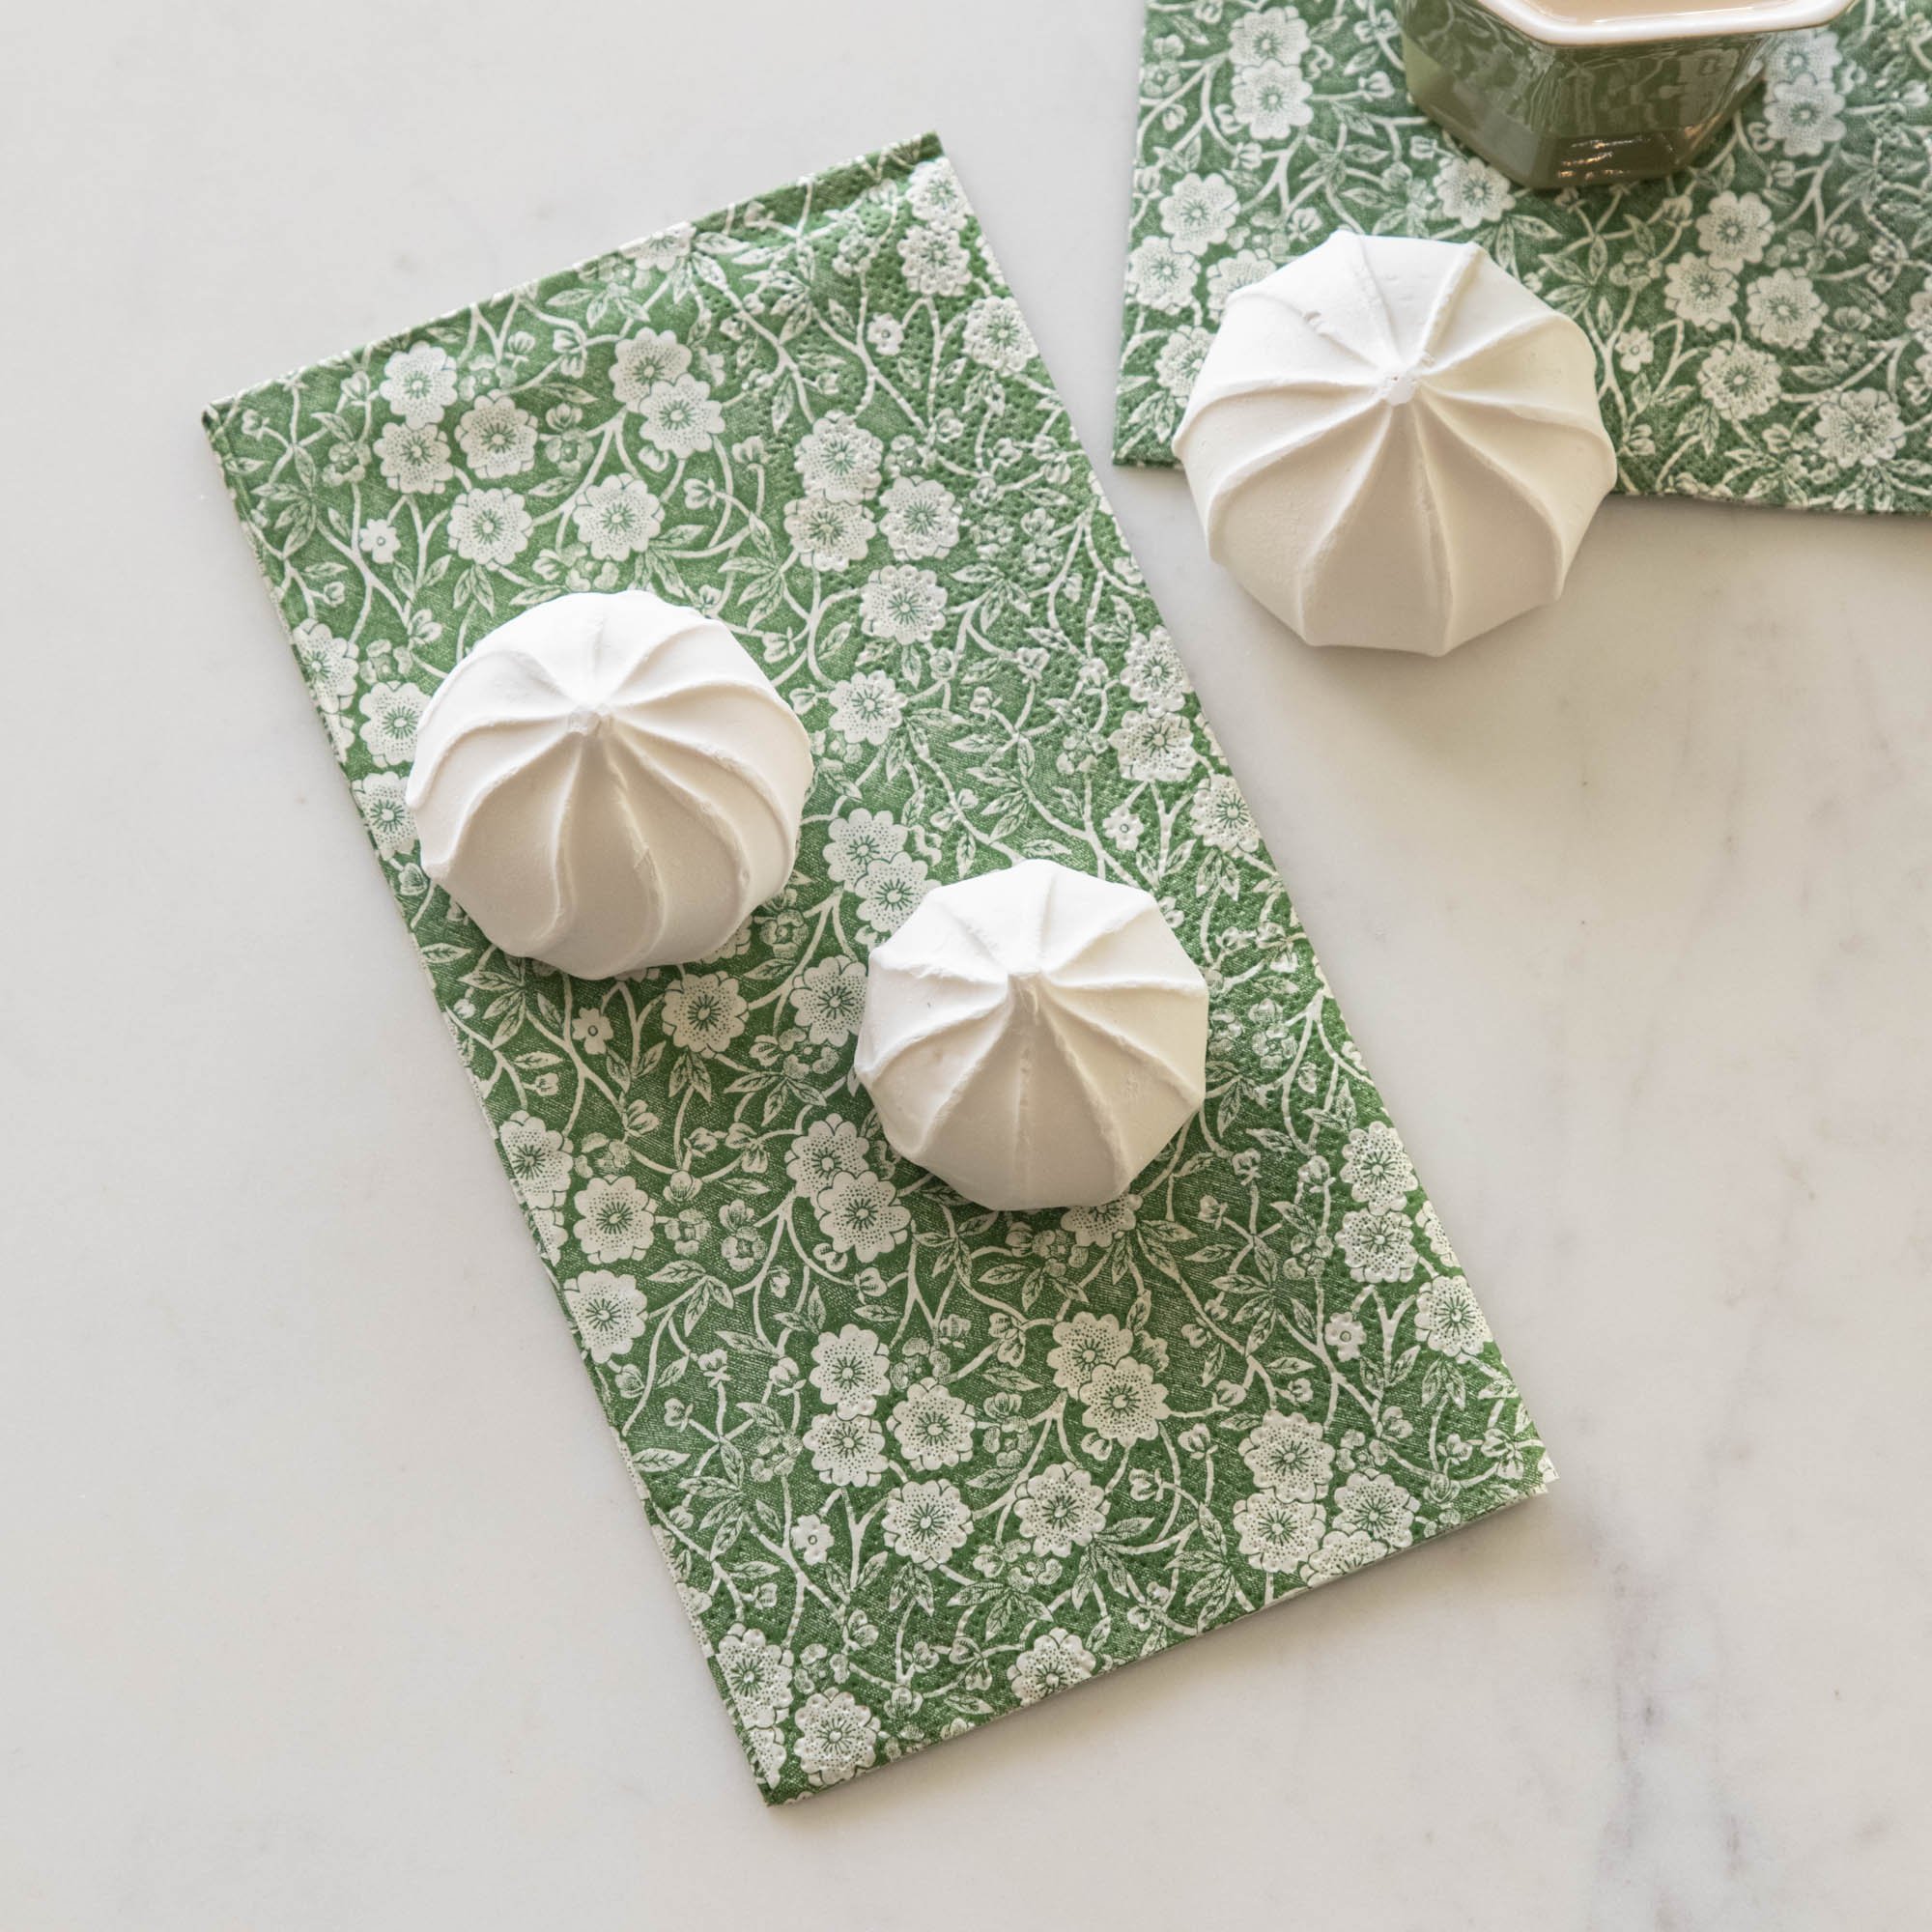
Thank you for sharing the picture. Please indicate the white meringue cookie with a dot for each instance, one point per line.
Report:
(608, 782)
(1394, 444)
(1034, 1036)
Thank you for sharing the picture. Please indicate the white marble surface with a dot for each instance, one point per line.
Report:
(325, 1603)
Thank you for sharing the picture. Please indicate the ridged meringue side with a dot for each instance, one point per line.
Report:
(1394, 444)
(1034, 1036)
(608, 782)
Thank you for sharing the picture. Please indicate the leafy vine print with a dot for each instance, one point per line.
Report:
(913, 1463)
(1762, 322)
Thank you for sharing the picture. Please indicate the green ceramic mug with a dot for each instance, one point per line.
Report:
(1573, 92)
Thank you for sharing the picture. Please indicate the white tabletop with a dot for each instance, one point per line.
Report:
(326, 1603)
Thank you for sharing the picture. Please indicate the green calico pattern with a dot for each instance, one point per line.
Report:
(913, 1463)
(1762, 322)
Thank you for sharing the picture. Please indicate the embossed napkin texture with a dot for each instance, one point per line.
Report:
(913, 1464)
(1763, 323)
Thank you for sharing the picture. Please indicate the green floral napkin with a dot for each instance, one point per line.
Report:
(913, 1464)
(1763, 324)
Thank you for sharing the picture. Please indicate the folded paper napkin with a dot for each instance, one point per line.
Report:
(1763, 322)
(913, 1463)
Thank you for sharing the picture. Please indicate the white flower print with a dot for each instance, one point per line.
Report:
(617, 518)
(390, 715)
(921, 517)
(1344, 1335)
(1053, 1662)
(866, 707)
(538, 1160)
(997, 335)
(498, 438)
(1198, 211)
(1860, 427)
(1160, 276)
(1797, 57)
(379, 540)
(1096, 1227)
(704, 1012)
(1272, 100)
(1234, 273)
(933, 262)
(1179, 362)
(1289, 1455)
(1277, 36)
(862, 1214)
(926, 1522)
(766, 1744)
(591, 1030)
(1374, 1505)
(386, 813)
(1342, 1551)
(760, 1674)
(609, 1310)
(1804, 115)
(1376, 1245)
(1735, 229)
(420, 384)
(904, 604)
(546, 1224)
(859, 841)
(827, 533)
(830, 999)
(329, 663)
(1124, 1404)
(933, 1426)
(1636, 349)
(934, 194)
(1917, 316)
(1431, 1225)
(614, 1221)
(1739, 381)
(1783, 309)
(826, 1149)
(642, 361)
(680, 417)
(1123, 826)
(1154, 745)
(1083, 1346)
(840, 459)
(890, 892)
(1220, 816)
(848, 1451)
(1448, 1319)
(1376, 1168)
(414, 458)
(1154, 674)
(838, 1737)
(346, 462)
(885, 333)
(664, 249)
(811, 1537)
(1276, 1532)
(489, 526)
(1700, 291)
(850, 1369)
(1471, 192)
(1061, 1509)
